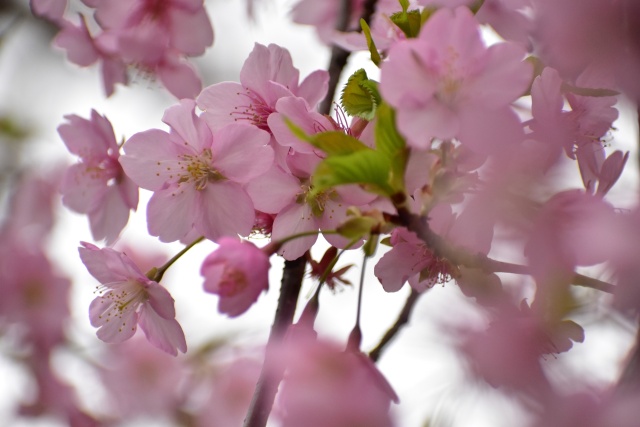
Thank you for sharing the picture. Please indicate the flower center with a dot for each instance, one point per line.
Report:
(198, 170)
(256, 112)
(233, 282)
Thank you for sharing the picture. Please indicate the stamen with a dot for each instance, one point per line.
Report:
(256, 112)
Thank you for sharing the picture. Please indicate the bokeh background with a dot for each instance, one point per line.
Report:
(38, 87)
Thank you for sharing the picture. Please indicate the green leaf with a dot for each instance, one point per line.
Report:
(409, 22)
(404, 4)
(392, 145)
(357, 227)
(331, 142)
(370, 246)
(337, 143)
(373, 50)
(360, 96)
(386, 241)
(367, 167)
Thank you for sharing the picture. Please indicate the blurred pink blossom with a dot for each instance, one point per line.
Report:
(97, 186)
(447, 84)
(325, 386)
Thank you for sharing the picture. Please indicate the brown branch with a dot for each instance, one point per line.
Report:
(402, 319)
(461, 257)
(339, 56)
(270, 377)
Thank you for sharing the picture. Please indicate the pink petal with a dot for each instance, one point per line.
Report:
(165, 334)
(224, 209)
(180, 78)
(171, 213)
(161, 301)
(240, 152)
(151, 159)
(110, 218)
(398, 265)
(478, 129)
(219, 101)
(420, 125)
(191, 32)
(82, 189)
(114, 325)
(78, 43)
(266, 64)
(107, 265)
(314, 87)
(294, 219)
(273, 191)
(187, 126)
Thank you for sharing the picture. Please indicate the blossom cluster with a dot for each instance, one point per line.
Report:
(453, 145)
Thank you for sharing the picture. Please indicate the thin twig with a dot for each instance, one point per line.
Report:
(271, 375)
(402, 319)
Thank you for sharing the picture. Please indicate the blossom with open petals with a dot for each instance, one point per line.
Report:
(197, 175)
(447, 84)
(97, 185)
(127, 298)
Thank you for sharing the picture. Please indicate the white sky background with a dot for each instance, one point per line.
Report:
(38, 87)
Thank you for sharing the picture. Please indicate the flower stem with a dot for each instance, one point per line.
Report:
(156, 274)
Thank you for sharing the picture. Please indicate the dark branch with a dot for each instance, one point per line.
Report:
(270, 377)
(402, 319)
(340, 56)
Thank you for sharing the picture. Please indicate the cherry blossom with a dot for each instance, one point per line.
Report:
(325, 386)
(446, 84)
(97, 186)
(128, 298)
(238, 272)
(267, 75)
(197, 175)
(84, 49)
(142, 380)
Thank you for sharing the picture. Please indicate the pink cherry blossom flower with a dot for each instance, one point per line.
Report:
(324, 16)
(563, 32)
(410, 260)
(297, 207)
(571, 229)
(267, 75)
(147, 28)
(97, 186)
(446, 84)
(84, 50)
(238, 272)
(325, 386)
(127, 298)
(231, 389)
(197, 176)
(142, 380)
(34, 295)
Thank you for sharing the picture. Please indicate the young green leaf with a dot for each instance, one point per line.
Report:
(373, 50)
(367, 167)
(360, 96)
